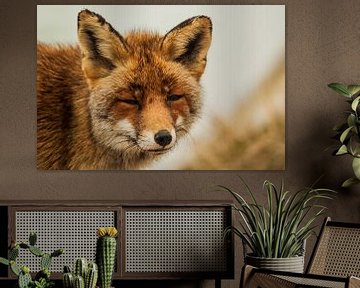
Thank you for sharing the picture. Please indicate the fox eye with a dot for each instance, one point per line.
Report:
(173, 97)
(129, 101)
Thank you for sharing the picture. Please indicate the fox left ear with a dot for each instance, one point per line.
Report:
(189, 42)
(102, 47)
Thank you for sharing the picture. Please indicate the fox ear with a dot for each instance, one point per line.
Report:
(102, 47)
(189, 42)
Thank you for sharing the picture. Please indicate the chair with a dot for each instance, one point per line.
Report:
(335, 262)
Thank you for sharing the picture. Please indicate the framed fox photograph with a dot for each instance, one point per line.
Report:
(157, 87)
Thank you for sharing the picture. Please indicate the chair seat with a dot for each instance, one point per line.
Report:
(263, 278)
(316, 281)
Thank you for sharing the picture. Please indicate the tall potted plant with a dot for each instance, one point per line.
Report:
(348, 132)
(275, 234)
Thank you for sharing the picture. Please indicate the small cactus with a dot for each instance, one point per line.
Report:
(13, 253)
(57, 252)
(79, 282)
(68, 280)
(36, 251)
(24, 280)
(24, 245)
(80, 268)
(106, 254)
(83, 273)
(91, 276)
(45, 261)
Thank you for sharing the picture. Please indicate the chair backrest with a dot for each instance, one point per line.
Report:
(337, 251)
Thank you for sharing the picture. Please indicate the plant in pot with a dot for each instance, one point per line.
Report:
(87, 274)
(84, 274)
(348, 132)
(275, 234)
(42, 278)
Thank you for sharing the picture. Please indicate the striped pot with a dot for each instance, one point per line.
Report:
(291, 264)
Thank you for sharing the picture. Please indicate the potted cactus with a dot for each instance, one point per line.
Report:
(42, 278)
(106, 254)
(348, 132)
(84, 275)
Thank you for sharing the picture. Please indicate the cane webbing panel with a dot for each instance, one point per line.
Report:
(263, 280)
(75, 231)
(313, 282)
(338, 252)
(175, 241)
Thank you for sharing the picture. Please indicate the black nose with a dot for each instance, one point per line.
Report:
(163, 138)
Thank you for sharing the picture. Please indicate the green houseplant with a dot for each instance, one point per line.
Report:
(42, 278)
(275, 233)
(348, 132)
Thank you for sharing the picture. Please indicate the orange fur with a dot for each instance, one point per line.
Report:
(113, 102)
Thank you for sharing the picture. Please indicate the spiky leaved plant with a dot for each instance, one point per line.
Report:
(106, 254)
(349, 132)
(279, 229)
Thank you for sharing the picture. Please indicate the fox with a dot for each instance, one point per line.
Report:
(118, 102)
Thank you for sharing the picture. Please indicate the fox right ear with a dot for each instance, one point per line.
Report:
(189, 42)
(102, 47)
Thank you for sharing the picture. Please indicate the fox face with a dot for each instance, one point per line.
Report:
(144, 87)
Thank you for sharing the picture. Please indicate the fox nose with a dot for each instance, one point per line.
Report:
(163, 138)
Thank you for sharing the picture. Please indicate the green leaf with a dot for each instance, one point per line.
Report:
(14, 268)
(4, 261)
(355, 103)
(353, 89)
(354, 145)
(349, 182)
(356, 167)
(341, 89)
(342, 150)
(351, 120)
(345, 134)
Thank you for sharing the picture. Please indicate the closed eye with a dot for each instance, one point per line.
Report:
(129, 101)
(173, 97)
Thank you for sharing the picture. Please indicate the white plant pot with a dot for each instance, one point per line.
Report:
(291, 264)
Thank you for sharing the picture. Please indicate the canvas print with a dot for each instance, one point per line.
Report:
(138, 87)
